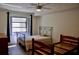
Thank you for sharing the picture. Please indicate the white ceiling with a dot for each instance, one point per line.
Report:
(31, 7)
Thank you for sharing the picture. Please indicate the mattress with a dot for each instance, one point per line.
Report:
(28, 41)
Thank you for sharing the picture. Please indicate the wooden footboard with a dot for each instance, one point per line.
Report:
(41, 48)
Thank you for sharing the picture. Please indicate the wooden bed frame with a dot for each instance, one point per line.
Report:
(43, 30)
(59, 48)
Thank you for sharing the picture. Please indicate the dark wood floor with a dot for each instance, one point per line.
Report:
(16, 50)
(19, 50)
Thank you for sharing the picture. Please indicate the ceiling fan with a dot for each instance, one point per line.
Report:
(39, 6)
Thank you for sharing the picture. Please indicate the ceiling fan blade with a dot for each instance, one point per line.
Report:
(33, 4)
(32, 7)
(44, 4)
(46, 8)
(39, 4)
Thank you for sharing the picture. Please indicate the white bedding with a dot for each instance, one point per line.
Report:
(28, 41)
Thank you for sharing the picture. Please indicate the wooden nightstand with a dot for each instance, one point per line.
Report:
(3, 46)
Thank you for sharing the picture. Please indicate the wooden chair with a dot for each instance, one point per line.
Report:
(66, 45)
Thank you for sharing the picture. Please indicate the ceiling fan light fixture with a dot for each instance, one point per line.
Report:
(38, 9)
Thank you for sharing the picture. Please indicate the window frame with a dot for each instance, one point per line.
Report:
(20, 22)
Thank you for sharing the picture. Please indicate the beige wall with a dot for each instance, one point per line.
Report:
(64, 22)
(3, 22)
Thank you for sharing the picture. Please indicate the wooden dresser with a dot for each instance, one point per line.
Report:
(3, 44)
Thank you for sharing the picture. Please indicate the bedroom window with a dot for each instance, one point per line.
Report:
(19, 24)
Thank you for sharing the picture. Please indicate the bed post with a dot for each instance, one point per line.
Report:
(51, 35)
(61, 37)
(52, 49)
(24, 40)
(78, 47)
(32, 46)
